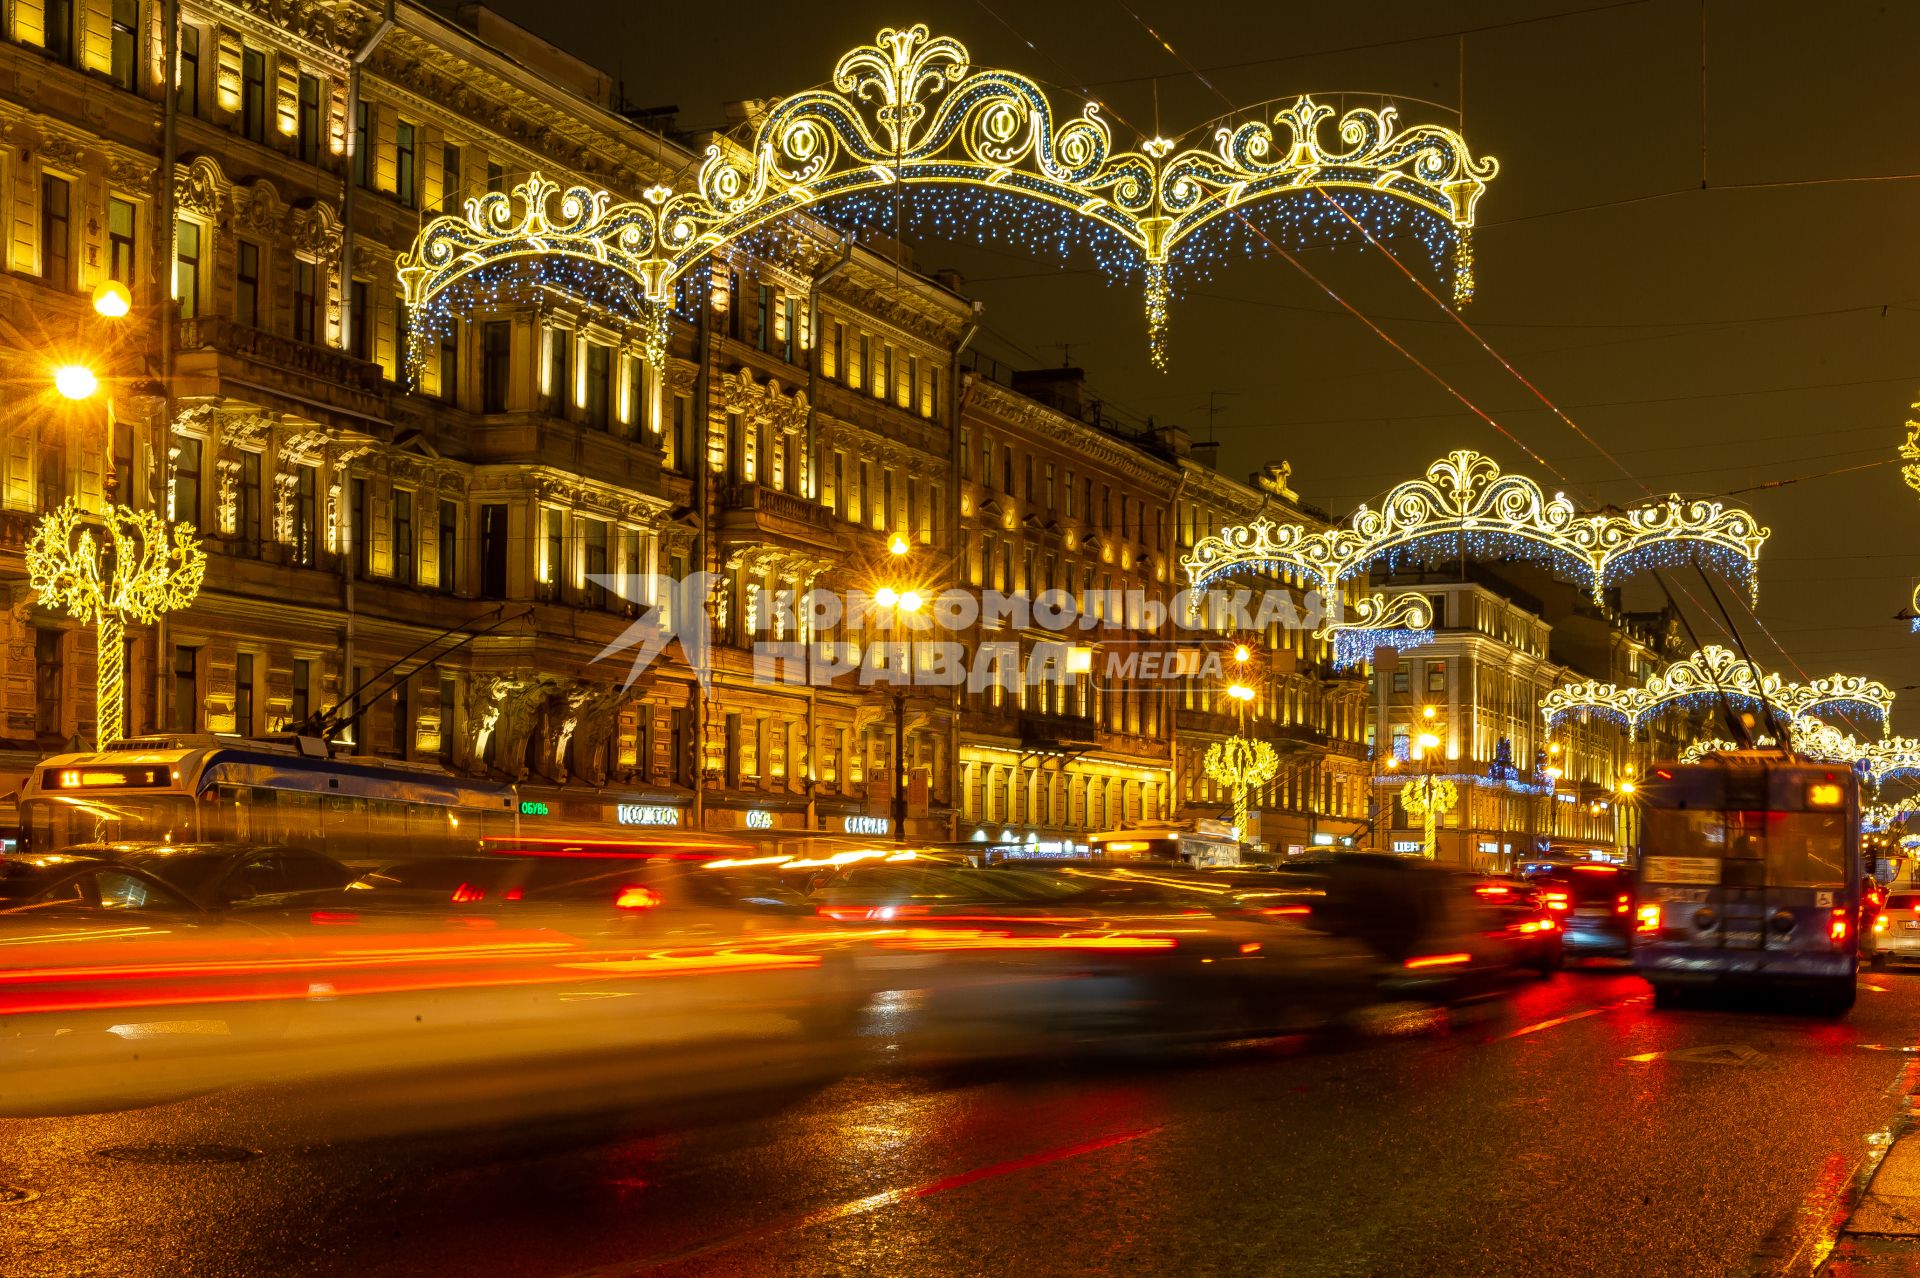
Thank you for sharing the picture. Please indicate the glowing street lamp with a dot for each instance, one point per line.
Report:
(76, 381)
(112, 300)
(1240, 692)
(898, 546)
(900, 601)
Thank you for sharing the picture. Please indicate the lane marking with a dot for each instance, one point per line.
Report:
(873, 1203)
(1570, 1017)
(1716, 1054)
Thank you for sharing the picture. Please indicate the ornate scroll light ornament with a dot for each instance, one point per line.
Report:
(1876, 818)
(1825, 743)
(1429, 798)
(1710, 674)
(1241, 765)
(1699, 750)
(1401, 622)
(1893, 759)
(911, 111)
(109, 569)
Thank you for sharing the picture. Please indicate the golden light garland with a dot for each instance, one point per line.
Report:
(1710, 674)
(108, 569)
(1241, 765)
(1910, 453)
(911, 110)
(1465, 502)
(1429, 798)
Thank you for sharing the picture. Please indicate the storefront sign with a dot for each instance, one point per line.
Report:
(758, 819)
(646, 814)
(530, 807)
(1406, 845)
(866, 825)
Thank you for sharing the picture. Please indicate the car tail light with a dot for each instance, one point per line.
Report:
(1840, 927)
(868, 913)
(636, 897)
(1648, 919)
(1287, 910)
(513, 894)
(333, 917)
(1554, 900)
(467, 893)
(1532, 926)
(1493, 889)
(1438, 960)
(1622, 904)
(1880, 924)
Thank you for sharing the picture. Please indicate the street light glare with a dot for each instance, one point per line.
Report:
(886, 596)
(910, 601)
(1428, 741)
(1242, 653)
(898, 546)
(1429, 711)
(112, 299)
(1240, 692)
(75, 381)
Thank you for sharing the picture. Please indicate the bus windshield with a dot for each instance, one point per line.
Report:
(121, 818)
(1771, 849)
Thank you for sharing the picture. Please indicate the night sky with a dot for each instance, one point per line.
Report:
(1764, 328)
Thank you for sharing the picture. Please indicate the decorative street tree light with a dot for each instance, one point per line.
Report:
(1427, 796)
(900, 601)
(108, 569)
(1239, 763)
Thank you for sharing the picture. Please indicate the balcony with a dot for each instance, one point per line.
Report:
(214, 351)
(758, 513)
(1042, 731)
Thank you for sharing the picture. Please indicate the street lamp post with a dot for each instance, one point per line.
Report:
(1429, 796)
(900, 601)
(113, 566)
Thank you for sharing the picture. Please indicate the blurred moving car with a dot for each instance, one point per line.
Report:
(1056, 953)
(218, 876)
(1595, 903)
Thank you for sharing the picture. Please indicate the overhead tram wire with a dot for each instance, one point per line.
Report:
(1461, 322)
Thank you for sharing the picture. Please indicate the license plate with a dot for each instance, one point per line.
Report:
(1912, 925)
(1590, 914)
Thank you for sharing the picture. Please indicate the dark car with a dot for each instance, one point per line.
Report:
(220, 876)
(1046, 953)
(1595, 903)
(71, 884)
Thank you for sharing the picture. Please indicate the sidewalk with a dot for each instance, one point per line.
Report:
(1882, 1237)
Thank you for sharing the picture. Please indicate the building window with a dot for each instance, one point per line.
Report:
(733, 305)
(362, 164)
(300, 701)
(403, 174)
(1436, 676)
(554, 525)
(253, 94)
(307, 119)
(559, 343)
(792, 323)
(126, 44)
(48, 679)
(402, 715)
(1400, 681)
(966, 454)
(359, 530)
(864, 369)
(359, 340)
(188, 90)
(886, 388)
(186, 268)
(306, 301)
(306, 484)
(596, 567)
(763, 330)
(840, 352)
(449, 546)
(451, 337)
(243, 694)
(59, 28)
(496, 177)
(599, 386)
(496, 365)
(247, 516)
(186, 689)
(246, 284)
(186, 480)
(493, 551)
(1006, 470)
(449, 695)
(683, 433)
(450, 192)
(403, 536)
(120, 215)
(56, 232)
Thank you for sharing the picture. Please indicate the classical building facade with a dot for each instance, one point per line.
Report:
(1503, 638)
(450, 567)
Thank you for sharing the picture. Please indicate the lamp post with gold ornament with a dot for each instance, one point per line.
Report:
(1240, 763)
(111, 566)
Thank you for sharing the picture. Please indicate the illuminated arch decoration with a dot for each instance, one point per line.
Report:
(1715, 672)
(1699, 750)
(1877, 818)
(911, 110)
(1894, 759)
(1465, 501)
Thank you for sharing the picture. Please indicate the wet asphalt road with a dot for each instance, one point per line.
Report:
(1553, 1132)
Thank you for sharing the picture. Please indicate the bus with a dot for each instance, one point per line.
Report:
(197, 788)
(1164, 843)
(1750, 874)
